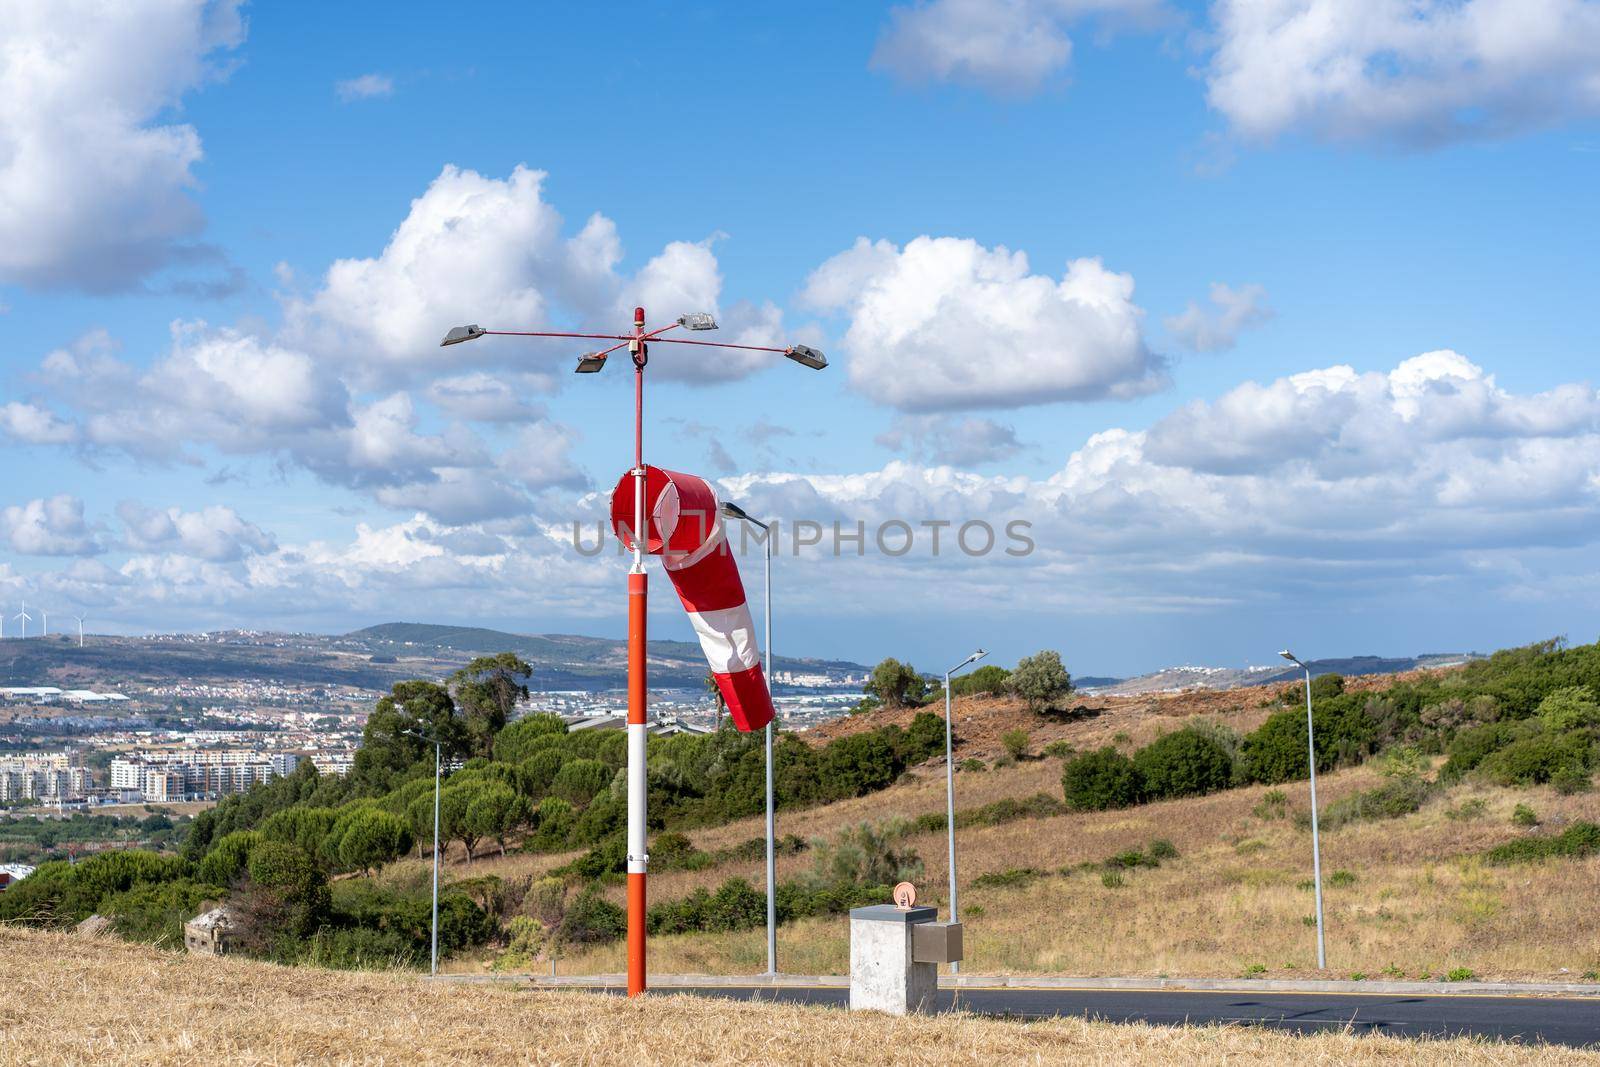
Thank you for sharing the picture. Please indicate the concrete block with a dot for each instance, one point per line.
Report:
(884, 975)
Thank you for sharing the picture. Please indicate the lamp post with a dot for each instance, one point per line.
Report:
(734, 511)
(950, 786)
(638, 345)
(438, 760)
(1316, 845)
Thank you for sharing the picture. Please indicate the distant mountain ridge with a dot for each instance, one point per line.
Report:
(1171, 679)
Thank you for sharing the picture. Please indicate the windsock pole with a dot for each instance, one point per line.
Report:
(638, 599)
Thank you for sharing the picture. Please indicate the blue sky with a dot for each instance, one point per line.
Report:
(1004, 220)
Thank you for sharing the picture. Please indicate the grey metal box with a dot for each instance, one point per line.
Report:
(936, 943)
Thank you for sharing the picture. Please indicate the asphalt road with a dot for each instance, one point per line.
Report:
(1555, 1020)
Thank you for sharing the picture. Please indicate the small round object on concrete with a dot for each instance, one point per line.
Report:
(905, 896)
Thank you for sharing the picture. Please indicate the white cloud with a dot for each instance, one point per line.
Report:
(1011, 46)
(365, 87)
(35, 425)
(540, 458)
(947, 439)
(51, 526)
(1208, 330)
(481, 397)
(95, 190)
(215, 533)
(1410, 71)
(475, 249)
(946, 323)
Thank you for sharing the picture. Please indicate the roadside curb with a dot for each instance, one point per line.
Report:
(1018, 981)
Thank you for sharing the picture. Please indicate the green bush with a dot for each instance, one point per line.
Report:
(1569, 708)
(1580, 839)
(1040, 679)
(1539, 759)
(154, 912)
(524, 737)
(1162, 849)
(988, 680)
(228, 857)
(1522, 815)
(1392, 799)
(1016, 743)
(1181, 764)
(1061, 749)
(1010, 878)
(591, 919)
(736, 905)
(1100, 780)
(1471, 746)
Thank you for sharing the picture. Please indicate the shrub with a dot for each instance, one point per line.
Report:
(227, 859)
(864, 855)
(1162, 849)
(1522, 815)
(973, 764)
(736, 905)
(1569, 708)
(1471, 808)
(1060, 749)
(1100, 780)
(1580, 839)
(155, 912)
(1016, 743)
(591, 919)
(1181, 764)
(896, 684)
(1473, 745)
(1274, 804)
(1394, 798)
(1111, 879)
(988, 679)
(1538, 759)
(1341, 878)
(1460, 974)
(1015, 876)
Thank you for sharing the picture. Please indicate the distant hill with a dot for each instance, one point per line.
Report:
(1171, 679)
(372, 658)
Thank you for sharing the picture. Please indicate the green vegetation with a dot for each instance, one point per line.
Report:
(1578, 840)
(1040, 680)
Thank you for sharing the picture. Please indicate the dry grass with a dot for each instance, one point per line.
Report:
(77, 1001)
(1232, 900)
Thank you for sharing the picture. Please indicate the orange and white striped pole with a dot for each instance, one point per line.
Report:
(638, 691)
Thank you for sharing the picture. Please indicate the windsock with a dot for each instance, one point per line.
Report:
(684, 527)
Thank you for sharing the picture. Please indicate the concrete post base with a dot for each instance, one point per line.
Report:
(883, 974)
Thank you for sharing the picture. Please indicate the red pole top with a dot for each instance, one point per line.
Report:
(638, 316)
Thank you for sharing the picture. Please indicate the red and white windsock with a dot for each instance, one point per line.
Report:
(684, 527)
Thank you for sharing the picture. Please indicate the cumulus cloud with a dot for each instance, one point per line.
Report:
(1411, 71)
(51, 526)
(31, 424)
(1011, 46)
(214, 533)
(364, 87)
(1217, 328)
(946, 323)
(948, 439)
(480, 249)
(95, 189)
(481, 397)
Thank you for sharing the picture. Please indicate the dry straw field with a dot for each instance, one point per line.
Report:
(70, 1000)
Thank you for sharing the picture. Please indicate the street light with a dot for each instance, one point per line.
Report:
(433, 966)
(950, 786)
(638, 345)
(1316, 845)
(734, 511)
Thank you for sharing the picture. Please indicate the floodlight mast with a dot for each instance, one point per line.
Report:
(637, 343)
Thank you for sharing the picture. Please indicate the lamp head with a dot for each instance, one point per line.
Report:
(590, 362)
(699, 320)
(733, 511)
(807, 356)
(462, 333)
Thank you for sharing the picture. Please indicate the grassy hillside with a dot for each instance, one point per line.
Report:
(72, 1000)
(1409, 896)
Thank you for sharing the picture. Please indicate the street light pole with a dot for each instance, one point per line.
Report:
(438, 760)
(950, 787)
(736, 512)
(1316, 844)
(637, 343)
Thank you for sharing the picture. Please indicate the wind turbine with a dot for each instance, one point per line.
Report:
(80, 629)
(46, 615)
(24, 616)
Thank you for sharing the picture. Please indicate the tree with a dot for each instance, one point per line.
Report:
(373, 838)
(496, 811)
(454, 804)
(1040, 679)
(487, 691)
(988, 679)
(389, 749)
(527, 736)
(896, 684)
(1569, 708)
(578, 781)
